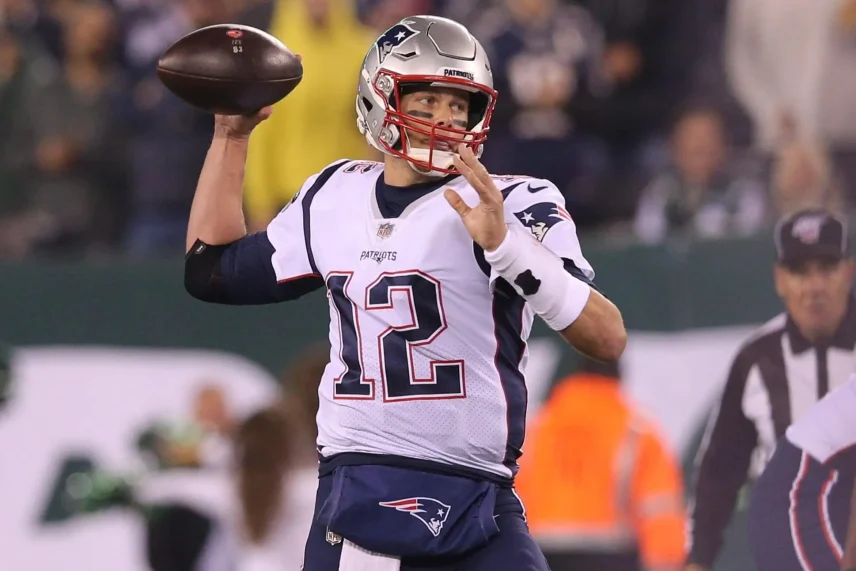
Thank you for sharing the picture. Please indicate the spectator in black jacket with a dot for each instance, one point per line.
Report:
(648, 52)
(546, 59)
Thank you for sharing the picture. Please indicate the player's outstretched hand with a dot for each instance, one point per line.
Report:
(486, 221)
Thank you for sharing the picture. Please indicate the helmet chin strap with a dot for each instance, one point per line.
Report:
(442, 159)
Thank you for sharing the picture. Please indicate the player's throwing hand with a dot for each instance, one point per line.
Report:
(485, 222)
(240, 126)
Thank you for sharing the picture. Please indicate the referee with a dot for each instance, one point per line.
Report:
(779, 372)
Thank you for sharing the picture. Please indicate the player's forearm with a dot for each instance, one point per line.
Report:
(599, 330)
(848, 562)
(217, 215)
(568, 304)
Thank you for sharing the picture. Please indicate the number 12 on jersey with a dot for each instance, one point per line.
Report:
(394, 345)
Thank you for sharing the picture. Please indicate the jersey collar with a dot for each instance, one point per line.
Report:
(413, 195)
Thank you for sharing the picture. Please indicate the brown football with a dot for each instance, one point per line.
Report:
(229, 69)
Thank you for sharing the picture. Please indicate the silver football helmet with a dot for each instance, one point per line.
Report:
(424, 50)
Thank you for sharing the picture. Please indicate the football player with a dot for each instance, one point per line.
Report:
(803, 512)
(434, 270)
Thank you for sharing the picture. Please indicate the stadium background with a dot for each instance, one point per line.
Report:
(675, 164)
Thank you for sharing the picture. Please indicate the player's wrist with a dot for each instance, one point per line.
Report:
(490, 248)
(224, 133)
(506, 253)
(539, 276)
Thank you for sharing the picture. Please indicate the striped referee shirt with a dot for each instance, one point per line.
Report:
(776, 375)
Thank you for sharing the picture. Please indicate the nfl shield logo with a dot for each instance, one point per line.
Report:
(333, 538)
(385, 230)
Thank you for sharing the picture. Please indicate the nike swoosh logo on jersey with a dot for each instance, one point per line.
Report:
(534, 189)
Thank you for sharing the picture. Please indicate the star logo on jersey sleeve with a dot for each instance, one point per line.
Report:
(542, 216)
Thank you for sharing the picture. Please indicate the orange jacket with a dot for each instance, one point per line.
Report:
(595, 475)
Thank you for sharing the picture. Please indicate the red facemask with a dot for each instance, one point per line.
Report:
(482, 102)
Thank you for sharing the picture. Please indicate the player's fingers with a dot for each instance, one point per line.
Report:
(472, 161)
(486, 195)
(462, 167)
(479, 172)
(299, 57)
(256, 117)
(455, 201)
(468, 174)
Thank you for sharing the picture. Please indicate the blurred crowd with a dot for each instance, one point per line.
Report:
(658, 119)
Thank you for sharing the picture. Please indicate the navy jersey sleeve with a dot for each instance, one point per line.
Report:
(249, 276)
(242, 273)
(267, 267)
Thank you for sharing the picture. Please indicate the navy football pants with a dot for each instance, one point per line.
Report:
(511, 549)
(799, 514)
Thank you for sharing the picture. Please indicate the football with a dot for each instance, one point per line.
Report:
(229, 69)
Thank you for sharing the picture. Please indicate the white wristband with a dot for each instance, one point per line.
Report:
(540, 277)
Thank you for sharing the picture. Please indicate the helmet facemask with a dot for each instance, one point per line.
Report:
(443, 140)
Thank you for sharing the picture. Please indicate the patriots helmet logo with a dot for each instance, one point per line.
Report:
(540, 217)
(431, 512)
(392, 38)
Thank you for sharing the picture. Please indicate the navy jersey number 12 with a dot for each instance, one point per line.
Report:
(396, 344)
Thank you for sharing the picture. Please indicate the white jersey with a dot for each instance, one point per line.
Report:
(827, 431)
(427, 356)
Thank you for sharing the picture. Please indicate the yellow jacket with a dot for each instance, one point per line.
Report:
(316, 124)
